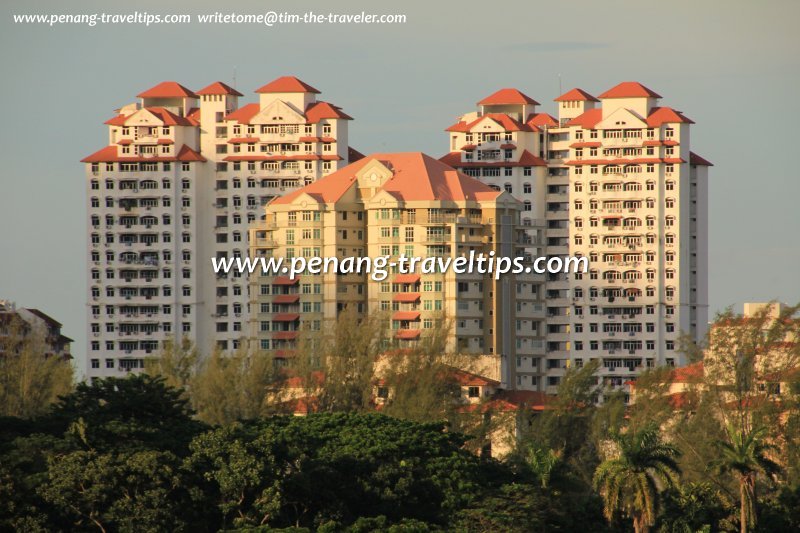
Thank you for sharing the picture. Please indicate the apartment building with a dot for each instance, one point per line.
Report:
(616, 182)
(20, 324)
(182, 177)
(388, 205)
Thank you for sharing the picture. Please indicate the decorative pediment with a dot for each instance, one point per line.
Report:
(373, 175)
(143, 117)
(487, 124)
(622, 119)
(278, 112)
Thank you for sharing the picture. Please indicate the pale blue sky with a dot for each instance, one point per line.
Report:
(732, 66)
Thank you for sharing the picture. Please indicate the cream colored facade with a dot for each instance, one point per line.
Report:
(619, 185)
(388, 205)
(183, 176)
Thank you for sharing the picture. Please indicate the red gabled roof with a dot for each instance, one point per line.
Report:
(244, 113)
(287, 84)
(542, 119)
(662, 115)
(119, 120)
(587, 119)
(575, 95)
(508, 96)
(320, 110)
(169, 118)
(219, 88)
(630, 89)
(508, 123)
(167, 89)
(695, 159)
(466, 379)
(186, 154)
(194, 116)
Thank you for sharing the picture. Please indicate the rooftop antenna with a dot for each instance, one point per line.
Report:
(234, 76)
(559, 84)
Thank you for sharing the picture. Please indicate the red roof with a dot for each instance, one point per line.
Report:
(687, 374)
(664, 115)
(169, 118)
(407, 334)
(586, 144)
(407, 278)
(695, 159)
(587, 119)
(668, 142)
(464, 378)
(321, 110)
(285, 280)
(287, 84)
(164, 141)
(508, 96)
(630, 89)
(405, 297)
(406, 315)
(167, 89)
(286, 298)
(109, 155)
(542, 119)
(244, 113)
(507, 146)
(507, 123)
(242, 140)
(575, 95)
(124, 142)
(416, 177)
(219, 88)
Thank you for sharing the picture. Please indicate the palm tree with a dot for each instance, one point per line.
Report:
(632, 481)
(543, 462)
(745, 455)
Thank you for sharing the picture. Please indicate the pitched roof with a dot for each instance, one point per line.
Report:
(109, 154)
(574, 95)
(587, 119)
(695, 159)
(287, 84)
(508, 96)
(167, 89)
(219, 88)
(244, 113)
(542, 119)
(416, 177)
(662, 115)
(353, 155)
(320, 110)
(630, 89)
(508, 123)
(169, 118)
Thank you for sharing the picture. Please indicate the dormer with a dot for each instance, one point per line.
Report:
(290, 90)
(512, 102)
(630, 95)
(170, 95)
(574, 103)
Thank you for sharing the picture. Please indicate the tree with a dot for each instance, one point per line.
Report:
(631, 481)
(177, 363)
(239, 386)
(745, 454)
(137, 412)
(30, 380)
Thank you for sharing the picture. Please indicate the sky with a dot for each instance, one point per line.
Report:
(731, 66)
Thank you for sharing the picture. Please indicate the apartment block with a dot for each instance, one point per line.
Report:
(391, 205)
(615, 181)
(182, 177)
(18, 324)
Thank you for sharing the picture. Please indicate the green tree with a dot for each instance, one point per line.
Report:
(631, 481)
(745, 454)
(137, 412)
(30, 380)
